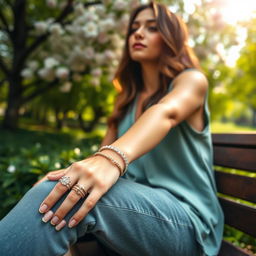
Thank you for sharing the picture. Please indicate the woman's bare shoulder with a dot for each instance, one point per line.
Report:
(192, 77)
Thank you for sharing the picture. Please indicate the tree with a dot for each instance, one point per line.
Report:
(243, 81)
(39, 52)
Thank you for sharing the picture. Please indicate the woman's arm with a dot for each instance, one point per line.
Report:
(97, 175)
(187, 96)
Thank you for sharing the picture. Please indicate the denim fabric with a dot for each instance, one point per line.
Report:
(131, 219)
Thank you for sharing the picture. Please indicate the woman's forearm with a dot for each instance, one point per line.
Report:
(146, 133)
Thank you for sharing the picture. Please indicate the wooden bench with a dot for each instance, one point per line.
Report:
(236, 151)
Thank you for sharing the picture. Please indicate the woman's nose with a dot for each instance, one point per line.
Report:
(139, 33)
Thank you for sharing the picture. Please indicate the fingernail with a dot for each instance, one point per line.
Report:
(60, 225)
(54, 220)
(47, 216)
(43, 208)
(72, 223)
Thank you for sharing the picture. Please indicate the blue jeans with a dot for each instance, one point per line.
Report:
(130, 219)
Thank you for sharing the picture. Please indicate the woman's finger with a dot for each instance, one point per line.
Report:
(55, 175)
(58, 191)
(78, 191)
(88, 204)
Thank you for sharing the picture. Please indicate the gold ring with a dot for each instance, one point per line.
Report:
(79, 189)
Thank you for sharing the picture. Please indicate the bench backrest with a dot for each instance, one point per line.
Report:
(237, 151)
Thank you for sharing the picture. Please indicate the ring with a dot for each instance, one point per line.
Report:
(79, 189)
(66, 181)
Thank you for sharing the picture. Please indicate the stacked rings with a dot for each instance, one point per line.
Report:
(66, 181)
(80, 190)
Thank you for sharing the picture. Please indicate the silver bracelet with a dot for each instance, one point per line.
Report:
(120, 153)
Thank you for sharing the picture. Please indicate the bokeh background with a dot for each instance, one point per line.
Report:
(57, 60)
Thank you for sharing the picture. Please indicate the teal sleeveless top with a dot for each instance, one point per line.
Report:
(182, 164)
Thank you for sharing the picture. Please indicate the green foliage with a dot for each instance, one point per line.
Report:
(26, 157)
(243, 83)
(240, 239)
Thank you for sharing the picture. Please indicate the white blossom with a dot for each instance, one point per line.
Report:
(123, 23)
(89, 53)
(62, 73)
(11, 168)
(79, 9)
(109, 55)
(103, 38)
(97, 72)
(43, 158)
(134, 3)
(41, 27)
(47, 74)
(86, 42)
(95, 81)
(33, 65)
(77, 151)
(117, 41)
(94, 148)
(107, 24)
(56, 29)
(99, 58)
(90, 30)
(100, 10)
(51, 3)
(120, 5)
(57, 165)
(27, 73)
(66, 87)
(50, 62)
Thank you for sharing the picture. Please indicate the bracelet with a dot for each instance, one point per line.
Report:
(119, 152)
(112, 160)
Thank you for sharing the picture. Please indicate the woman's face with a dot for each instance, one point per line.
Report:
(145, 42)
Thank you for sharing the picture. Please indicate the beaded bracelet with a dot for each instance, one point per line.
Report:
(112, 160)
(120, 153)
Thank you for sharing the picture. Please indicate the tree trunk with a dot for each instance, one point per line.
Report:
(11, 117)
(58, 119)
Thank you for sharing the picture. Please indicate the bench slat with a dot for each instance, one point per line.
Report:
(228, 249)
(237, 139)
(240, 216)
(238, 158)
(236, 185)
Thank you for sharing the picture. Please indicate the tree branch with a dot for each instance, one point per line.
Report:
(66, 11)
(3, 67)
(40, 91)
(2, 82)
(5, 23)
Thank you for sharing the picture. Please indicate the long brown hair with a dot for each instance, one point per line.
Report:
(176, 57)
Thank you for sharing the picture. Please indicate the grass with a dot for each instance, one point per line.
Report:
(219, 127)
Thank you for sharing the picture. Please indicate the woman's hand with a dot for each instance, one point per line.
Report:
(53, 175)
(95, 174)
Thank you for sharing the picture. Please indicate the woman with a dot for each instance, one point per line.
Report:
(165, 204)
